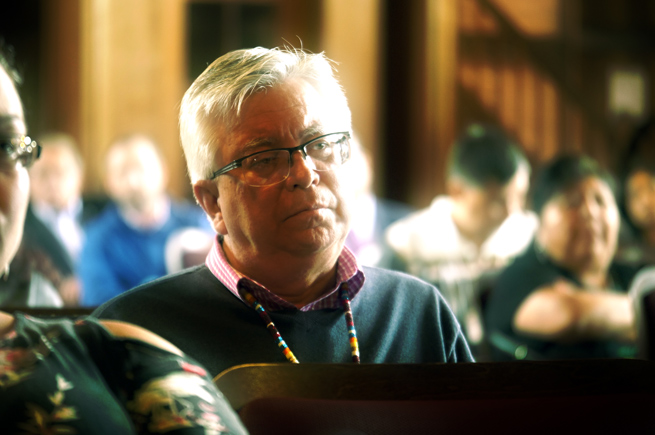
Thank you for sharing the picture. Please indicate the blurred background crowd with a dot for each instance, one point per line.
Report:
(504, 150)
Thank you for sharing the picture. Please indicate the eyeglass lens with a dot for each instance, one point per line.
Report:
(271, 167)
(21, 150)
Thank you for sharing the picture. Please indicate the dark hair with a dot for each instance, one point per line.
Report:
(485, 154)
(7, 62)
(561, 174)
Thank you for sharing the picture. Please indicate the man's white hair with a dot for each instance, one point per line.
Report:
(216, 97)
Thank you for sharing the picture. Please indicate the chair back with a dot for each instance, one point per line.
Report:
(379, 399)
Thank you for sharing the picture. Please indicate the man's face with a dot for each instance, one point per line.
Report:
(486, 208)
(579, 228)
(135, 174)
(301, 216)
(14, 181)
(56, 177)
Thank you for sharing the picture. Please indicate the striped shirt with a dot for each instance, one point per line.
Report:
(348, 271)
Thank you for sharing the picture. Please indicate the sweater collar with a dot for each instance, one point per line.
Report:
(348, 271)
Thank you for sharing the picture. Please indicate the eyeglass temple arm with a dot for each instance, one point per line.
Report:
(235, 164)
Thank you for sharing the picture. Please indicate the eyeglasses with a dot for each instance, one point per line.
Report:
(20, 149)
(269, 167)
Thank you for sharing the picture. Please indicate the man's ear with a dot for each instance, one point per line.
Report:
(206, 193)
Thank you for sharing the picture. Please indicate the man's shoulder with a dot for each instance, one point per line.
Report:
(186, 283)
(109, 218)
(525, 221)
(513, 236)
(187, 214)
(183, 209)
(526, 272)
(403, 298)
(440, 208)
(93, 206)
(426, 235)
(31, 218)
(526, 261)
(384, 280)
(34, 228)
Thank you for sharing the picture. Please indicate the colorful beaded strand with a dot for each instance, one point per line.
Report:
(352, 333)
(271, 327)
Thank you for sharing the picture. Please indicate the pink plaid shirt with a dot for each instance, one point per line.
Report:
(347, 271)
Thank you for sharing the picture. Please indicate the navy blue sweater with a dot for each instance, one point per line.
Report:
(399, 319)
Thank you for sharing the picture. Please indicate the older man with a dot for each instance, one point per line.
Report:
(266, 136)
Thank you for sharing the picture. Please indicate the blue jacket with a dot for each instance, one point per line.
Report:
(117, 257)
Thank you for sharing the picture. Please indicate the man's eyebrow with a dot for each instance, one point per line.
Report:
(252, 145)
(313, 130)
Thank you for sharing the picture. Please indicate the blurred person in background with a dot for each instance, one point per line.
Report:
(565, 296)
(637, 237)
(370, 214)
(53, 225)
(125, 245)
(462, 241)
(87, 377)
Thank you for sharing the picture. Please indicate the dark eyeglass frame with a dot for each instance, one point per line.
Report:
(302, 148)
(21, 149)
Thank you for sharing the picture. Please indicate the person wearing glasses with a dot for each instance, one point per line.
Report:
(266, 135)
(21, 284)
(125, 245)
(25, 281)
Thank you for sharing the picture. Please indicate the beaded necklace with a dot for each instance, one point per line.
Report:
(345, 302)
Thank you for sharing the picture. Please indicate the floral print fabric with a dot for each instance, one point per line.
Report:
(57, 377)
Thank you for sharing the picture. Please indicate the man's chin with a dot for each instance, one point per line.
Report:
(314, 241)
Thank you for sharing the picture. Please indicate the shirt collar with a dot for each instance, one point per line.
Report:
(348, 271)
(48, 213)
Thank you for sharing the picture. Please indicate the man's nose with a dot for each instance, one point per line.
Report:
(303, 170)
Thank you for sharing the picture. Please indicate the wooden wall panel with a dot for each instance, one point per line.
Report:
(60, 76)
(351, 37)
(132, 79)
(439, 103)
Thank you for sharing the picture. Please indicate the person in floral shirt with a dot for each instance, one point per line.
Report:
(86, 377)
